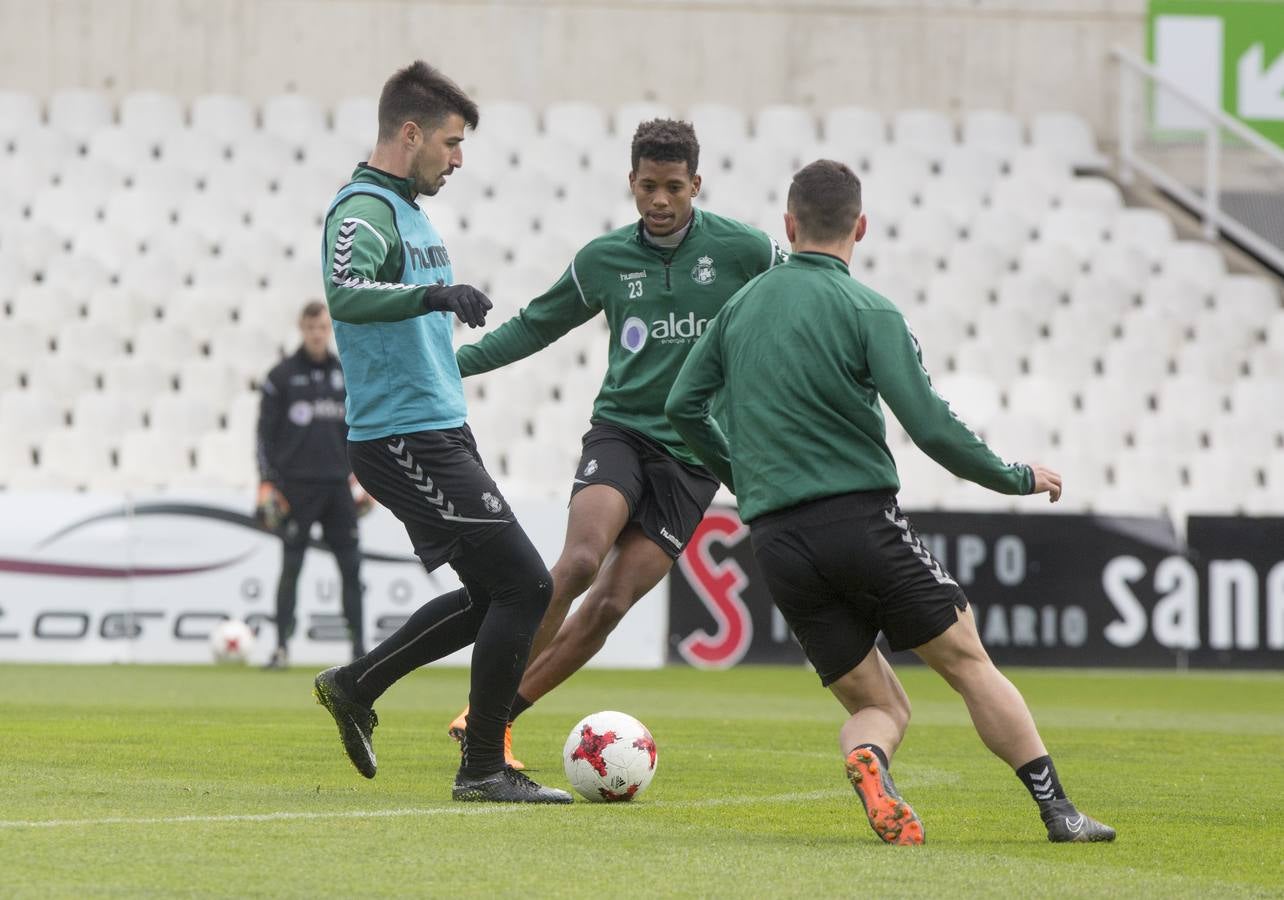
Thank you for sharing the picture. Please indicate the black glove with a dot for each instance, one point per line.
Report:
(463, 300)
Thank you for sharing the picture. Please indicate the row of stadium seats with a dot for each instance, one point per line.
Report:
(294, 118)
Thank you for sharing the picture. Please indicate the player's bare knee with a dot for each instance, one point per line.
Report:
(576, 569)
(606, 610)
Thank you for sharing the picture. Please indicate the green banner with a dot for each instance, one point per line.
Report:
(1229, 53)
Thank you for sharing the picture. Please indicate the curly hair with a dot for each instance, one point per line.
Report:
(666, 140)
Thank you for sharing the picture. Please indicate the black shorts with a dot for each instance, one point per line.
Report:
(327, 502)
(667, 498)
(844, 568)
(435, 483)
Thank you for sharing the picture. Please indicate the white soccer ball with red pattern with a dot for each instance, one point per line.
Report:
(609, 757)
(231, 641)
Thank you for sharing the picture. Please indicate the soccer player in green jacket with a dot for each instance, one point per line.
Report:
(638, 492)
(800, 357)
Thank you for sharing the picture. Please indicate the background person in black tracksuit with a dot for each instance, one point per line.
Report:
(306, 478)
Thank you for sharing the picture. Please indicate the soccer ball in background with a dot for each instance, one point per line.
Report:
(609, 756)
(231, 641)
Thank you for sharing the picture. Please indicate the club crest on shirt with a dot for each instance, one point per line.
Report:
(704, 272)
(491, 502)
(589, 468)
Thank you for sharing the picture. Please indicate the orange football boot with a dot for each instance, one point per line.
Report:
(891, 817)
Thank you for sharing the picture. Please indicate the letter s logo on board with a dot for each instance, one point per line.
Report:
(718, 585)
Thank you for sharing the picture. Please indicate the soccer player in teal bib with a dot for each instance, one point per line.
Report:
(801, 356)
(390, 289)
(638, 493)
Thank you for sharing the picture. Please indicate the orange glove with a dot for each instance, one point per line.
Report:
(271, 509)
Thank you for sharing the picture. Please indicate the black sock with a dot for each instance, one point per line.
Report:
(1040, 778)
(439, 627)
(520, 705)
(878, 751)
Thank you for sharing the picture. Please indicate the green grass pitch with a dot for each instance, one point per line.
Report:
(133, 781)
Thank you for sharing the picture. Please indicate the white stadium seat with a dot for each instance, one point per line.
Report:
(183, 416)
(62, 378)
(125, 150)
(243, 411)
(151, 459)
(19, 112)
(226, 459)
(996, 359)
(511, 122)
(993, 130)
(28, 415)
(152, 114)
(1099, 194)
(165, 342)
(49, 307)
(1144, 362)
(1253, 298)
(109, 413)
(784, 125)
(76, 457)
(1067, 137)
(140, 377)
(222, 117)
(1153, 476)
(82, 339)
(1196, 262)
(718, 123)
(853, 130)
(923, 129)
(576, 122)
(1218, 366)
(1145, 231)
(294, 118)
(79, 113)
(974, 398)
(1174, 296)
(1124, 399)
(1101, 294)
(1092, 328)
(1168, 433)
(1067, 360)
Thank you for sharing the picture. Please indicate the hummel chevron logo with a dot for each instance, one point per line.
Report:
(422, 482)
(1075, 825)
(1042, 783)
(340, 274)
(915, 545)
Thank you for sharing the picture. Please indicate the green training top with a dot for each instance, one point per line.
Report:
(801, 355)
(373, 290)
(657, 303)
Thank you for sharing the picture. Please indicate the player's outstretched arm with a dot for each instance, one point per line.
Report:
(1047, 482)
(897, 370)
(688, 405)
(542, 321)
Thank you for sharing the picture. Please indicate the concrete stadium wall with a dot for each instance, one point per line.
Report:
(941, 54)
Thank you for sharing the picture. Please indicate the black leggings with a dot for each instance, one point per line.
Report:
(506, 591)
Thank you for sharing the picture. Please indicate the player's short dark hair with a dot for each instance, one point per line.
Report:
(825, 199)
(666, 140)
(312, 309)
(421, 94)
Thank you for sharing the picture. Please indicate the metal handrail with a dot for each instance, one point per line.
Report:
(1213, 219)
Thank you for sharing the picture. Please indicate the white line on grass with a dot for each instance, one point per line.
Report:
(393, 813)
